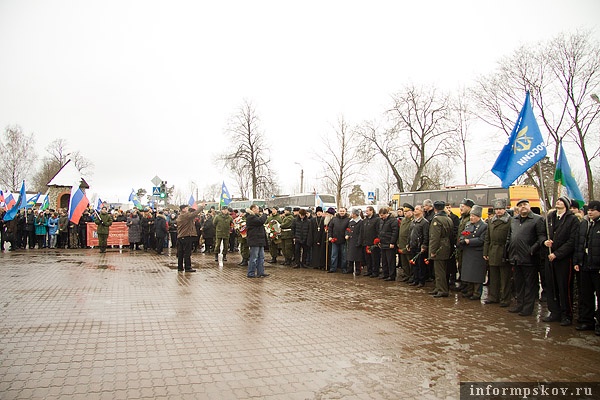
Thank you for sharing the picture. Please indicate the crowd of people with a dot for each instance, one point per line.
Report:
(522, 256)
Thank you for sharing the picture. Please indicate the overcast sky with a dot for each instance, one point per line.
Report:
(145, 88)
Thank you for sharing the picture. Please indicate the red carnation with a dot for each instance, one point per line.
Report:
(465, 233)
(333, 240)
(376, 241)
(426, 261)
(368, 249)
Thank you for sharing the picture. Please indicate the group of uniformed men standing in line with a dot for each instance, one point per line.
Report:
(516, 252)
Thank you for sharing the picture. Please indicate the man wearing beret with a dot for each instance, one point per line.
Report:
(440, 250)
(526, 236)
(563, 227)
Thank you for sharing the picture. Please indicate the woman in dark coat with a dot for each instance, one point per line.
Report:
(134, 232)
(355, 252)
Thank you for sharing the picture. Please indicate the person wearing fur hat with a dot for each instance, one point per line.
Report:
(563, 227)
(471, 241)
(465, 212)
(493, 252)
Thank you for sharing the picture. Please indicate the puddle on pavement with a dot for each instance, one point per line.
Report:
(105, 266)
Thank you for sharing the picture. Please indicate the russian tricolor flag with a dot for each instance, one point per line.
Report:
(10, 201)
(77, 204)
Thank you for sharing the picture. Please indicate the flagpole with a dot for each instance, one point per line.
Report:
(543, 203)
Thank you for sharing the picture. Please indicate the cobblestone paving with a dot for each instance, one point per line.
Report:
(127, 325)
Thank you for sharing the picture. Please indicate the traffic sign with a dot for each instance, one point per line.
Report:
(371, 196)
(156, 181)
(156, 191)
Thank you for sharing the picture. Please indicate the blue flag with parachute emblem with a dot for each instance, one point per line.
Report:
(524, 148)
(225, 197)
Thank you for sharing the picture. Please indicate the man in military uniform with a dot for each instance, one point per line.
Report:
(403, 239)
(104, 220)
(275, 240)
(222, 223)
(240, 230)
(465, 214)
(494, 252)
(440, 232)
(287, 237)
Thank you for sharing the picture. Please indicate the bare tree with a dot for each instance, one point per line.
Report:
(575, 62)
(57, 156)
(17, 157)
(384, 142)
(211, 192)
(462, 118)
(249, 157)
(561, 75)
(341, 159)
(423, 120)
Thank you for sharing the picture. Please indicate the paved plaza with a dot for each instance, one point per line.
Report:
(127, 325)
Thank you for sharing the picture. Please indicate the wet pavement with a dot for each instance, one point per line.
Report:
(127, 325)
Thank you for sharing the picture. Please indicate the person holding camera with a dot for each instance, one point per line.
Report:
(257, 240)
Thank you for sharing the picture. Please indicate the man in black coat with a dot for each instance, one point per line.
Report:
(563, 227)
(587, 262)
(257, 240)
(300, 231)
(388, 236)
(370, 231)
(527, 233)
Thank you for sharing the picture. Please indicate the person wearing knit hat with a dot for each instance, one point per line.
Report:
(331, 211)
(566, 201)
(563, 227)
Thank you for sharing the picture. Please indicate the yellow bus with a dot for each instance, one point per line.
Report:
(481, 195)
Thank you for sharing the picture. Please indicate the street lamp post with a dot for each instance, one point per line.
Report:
(301, 177)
